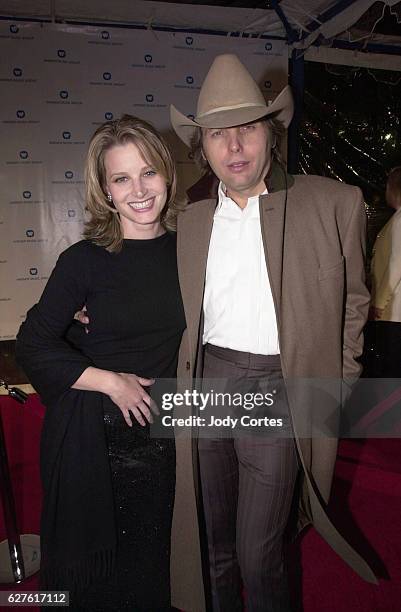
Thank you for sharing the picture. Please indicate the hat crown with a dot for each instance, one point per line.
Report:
(228, 84)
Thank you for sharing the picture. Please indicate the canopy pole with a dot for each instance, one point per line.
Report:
(297, 82)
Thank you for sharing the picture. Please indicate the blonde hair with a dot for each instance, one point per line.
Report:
(104, 227)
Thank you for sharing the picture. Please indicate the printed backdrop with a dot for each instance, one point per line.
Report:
(58, 84)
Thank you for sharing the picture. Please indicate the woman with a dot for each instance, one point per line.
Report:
(108, 486)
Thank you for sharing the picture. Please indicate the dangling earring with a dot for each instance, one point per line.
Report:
(109, 197)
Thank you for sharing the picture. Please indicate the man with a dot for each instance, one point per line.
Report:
(386, 283)
(271, 270)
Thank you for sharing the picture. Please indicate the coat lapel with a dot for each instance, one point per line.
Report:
(272, 209)
(193, 238)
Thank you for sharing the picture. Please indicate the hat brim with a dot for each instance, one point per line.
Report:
(282, 108)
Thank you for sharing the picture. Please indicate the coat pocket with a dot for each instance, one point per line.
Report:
(331, 270)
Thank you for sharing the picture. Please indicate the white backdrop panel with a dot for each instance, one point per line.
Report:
(59, 83)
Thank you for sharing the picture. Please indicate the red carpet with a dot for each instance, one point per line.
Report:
(366, 504)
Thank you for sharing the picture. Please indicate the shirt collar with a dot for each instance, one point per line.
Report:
(225, 202)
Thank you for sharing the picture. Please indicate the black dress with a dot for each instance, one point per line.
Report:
(108, 488)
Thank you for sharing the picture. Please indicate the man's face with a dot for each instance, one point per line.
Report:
(240, 157)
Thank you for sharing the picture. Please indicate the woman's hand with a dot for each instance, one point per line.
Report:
(128, 394)
(125, 390)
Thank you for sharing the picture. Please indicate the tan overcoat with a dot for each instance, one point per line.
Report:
(313, 232)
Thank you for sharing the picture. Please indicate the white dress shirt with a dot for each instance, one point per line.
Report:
(238, 303)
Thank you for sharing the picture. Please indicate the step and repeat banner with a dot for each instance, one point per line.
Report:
(58, 84)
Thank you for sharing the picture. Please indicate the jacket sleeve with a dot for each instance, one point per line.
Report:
(49, 361)
(357, 295)
(390, 276)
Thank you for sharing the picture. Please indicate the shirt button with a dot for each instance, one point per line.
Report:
(188, 365)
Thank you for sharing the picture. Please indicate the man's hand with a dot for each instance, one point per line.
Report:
(82, 317)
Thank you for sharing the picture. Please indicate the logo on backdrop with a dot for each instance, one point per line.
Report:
(71, 213)
(33, 271)
(108, 116)
(271, 48)
(66, 139)
(68, 179)
(20, 117)
(188, 44)
(26, 195)
(30, 239)
(148, 63)
(268, 84)
(189, 83)
(24, 154)
(107, 81)
(17, 75)
(104, 38)
(63, 96)
(16, 34)
(60, 58)
(149, 101)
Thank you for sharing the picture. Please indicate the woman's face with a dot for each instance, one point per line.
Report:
(138, 191)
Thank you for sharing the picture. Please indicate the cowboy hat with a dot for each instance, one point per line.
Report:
(228, 97)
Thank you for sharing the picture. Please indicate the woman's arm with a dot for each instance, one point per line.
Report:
(51, 364)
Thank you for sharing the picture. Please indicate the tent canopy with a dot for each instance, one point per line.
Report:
(301, 22)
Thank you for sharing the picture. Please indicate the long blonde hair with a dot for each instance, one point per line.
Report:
(104, 227)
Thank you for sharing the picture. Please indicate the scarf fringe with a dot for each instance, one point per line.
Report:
(75, 578)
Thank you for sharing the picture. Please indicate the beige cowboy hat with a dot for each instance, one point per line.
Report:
(228, 97)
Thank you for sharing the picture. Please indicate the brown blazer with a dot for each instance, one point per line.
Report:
(313, 232)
